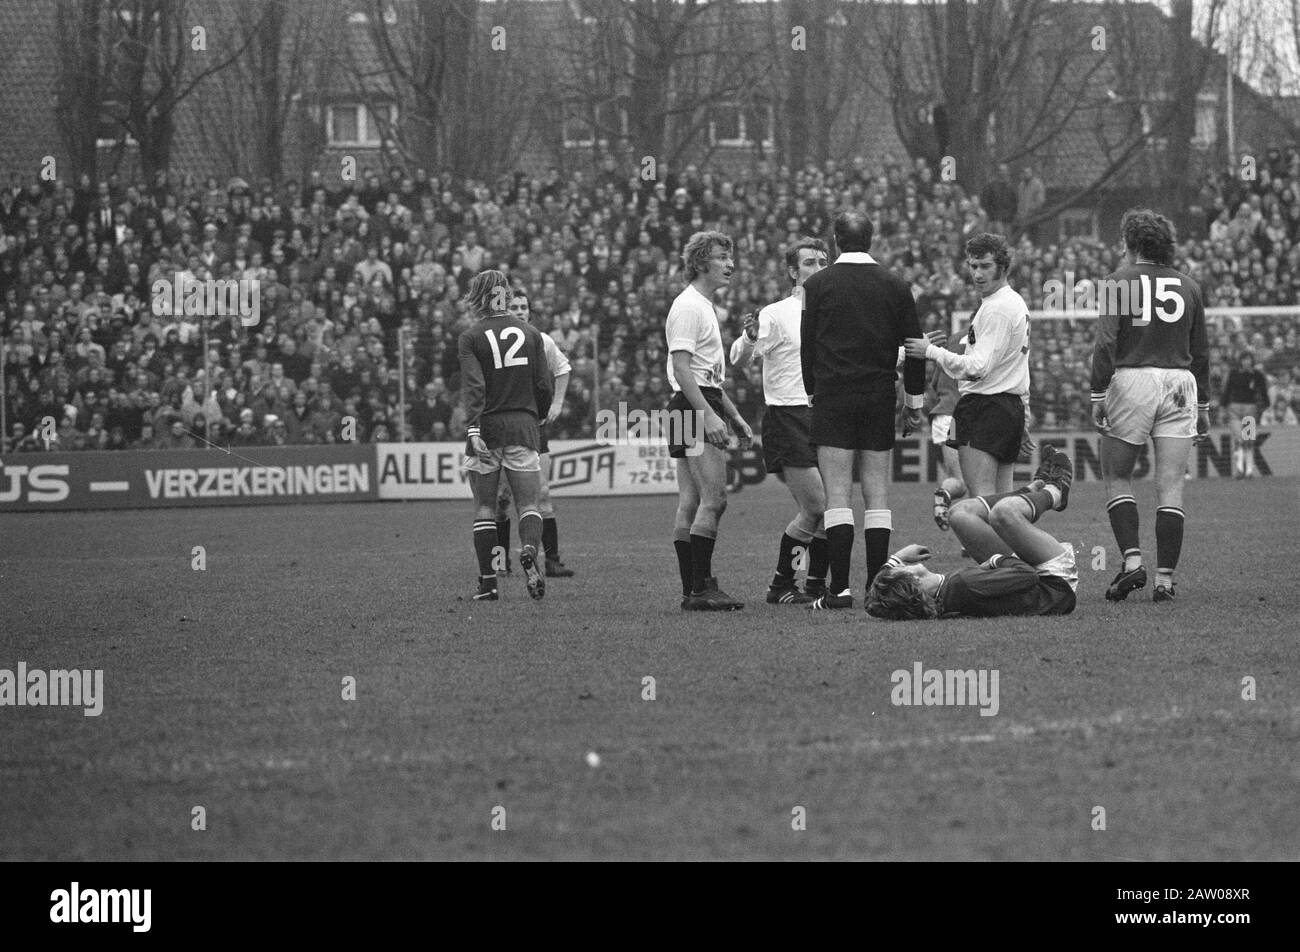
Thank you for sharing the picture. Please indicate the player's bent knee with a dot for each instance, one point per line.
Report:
(714, 504)
(1007, 512)
(968, 509)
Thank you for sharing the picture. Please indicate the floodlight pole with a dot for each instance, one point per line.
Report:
(595, 364)
(4, 394)
(207, 384)
(401, 383)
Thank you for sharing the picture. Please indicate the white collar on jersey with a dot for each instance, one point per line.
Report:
(855, 257)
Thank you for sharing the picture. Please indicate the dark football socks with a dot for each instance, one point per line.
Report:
(793, 538)
(485, 543)
(503, 534)
(1123, 512)
(682, 543)
(550, 537)
(701, 560)
(530, 529)
(839, 544)
(877, 526)
(1169, 540)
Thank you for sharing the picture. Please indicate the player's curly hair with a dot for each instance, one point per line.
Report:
(896, 595)
(483, 296)
(989, 243)
(795, 247)
(1149, 234)
(695, 255)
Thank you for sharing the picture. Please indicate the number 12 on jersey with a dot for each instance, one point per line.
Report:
(510, 359)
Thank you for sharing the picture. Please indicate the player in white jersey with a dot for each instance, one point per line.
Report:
(773, 339)
(992, 375)
(699, 413)
(560, 368)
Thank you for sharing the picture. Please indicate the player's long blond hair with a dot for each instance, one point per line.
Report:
(489, 293)
(897, 596)
(695, 255)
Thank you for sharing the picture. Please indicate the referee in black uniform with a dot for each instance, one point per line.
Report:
(856, 315)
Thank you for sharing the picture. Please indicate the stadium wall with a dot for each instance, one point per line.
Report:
(367, 472)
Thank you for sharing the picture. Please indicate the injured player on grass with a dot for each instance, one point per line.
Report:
(1023, 569)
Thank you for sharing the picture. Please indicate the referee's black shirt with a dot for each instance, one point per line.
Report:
(855, 317)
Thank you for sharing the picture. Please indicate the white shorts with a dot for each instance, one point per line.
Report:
(1062, 567)
(940, 427)
(519, 459)
(1151, 401)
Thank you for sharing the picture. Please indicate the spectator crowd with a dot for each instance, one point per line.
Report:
(361, 290)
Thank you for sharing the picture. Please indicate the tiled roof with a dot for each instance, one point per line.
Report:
(29, 76)
(28, 85)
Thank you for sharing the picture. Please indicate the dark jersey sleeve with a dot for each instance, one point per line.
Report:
(997, 587)
(1103, 352)
(473, 386)
(910, 326)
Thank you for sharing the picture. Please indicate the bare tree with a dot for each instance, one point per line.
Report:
(992, 82)
(128, 65)
(802, 78)
(249, 110)
(661, 68)
(80, 71)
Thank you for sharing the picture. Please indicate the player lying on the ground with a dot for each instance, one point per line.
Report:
(1023, 570)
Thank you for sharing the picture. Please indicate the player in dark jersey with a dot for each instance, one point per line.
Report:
(1023, 570)
(1150, 378)
(560, 369)
(1245, 397)
(506, 387)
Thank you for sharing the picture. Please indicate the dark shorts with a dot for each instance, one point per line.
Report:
(785, 439)
(994, 423)
(854, 421)
(544, 443)
(510, 428)
(685, 430)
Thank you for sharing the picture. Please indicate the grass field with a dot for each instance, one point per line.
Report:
(223, 690)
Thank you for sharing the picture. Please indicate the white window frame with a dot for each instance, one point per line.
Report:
(590, 141)
(584, 143)
(367, 138)
(1207, 114)
(1074, 216)
(745, 140)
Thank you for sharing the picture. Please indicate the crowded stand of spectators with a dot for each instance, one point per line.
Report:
(361, 288)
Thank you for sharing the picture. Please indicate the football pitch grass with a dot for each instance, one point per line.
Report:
(223, 689)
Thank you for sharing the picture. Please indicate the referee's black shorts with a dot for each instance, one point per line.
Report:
(685, 429)
(992, 422)
(854, 421)
(785, 438)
